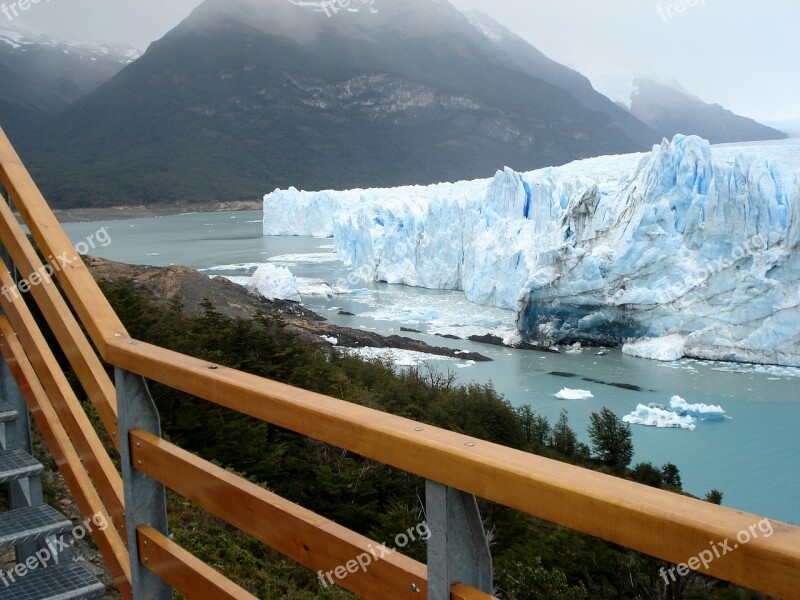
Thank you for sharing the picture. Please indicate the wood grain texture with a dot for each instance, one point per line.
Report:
(656, 522)
(65, 327)
(181, 570)
(300, 534)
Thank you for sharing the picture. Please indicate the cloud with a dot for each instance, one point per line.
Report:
(738, 53)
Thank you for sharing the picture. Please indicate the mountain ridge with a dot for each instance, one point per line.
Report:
(219, 109)
(671, 110)
(42, 76)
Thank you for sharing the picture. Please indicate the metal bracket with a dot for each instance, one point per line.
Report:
(145, 498)
(458, 551)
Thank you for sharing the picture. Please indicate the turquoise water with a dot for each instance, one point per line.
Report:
(752, 457)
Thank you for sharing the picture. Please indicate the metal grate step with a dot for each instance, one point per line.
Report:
(31, 524)
(16, 464)
(62, 582)
(7, 413)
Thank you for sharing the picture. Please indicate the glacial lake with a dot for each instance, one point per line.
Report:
(751, 457)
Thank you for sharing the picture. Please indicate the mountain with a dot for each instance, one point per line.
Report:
(670, 110)
(245, 96)
(690, 249)
(535, 63)
(41, 76)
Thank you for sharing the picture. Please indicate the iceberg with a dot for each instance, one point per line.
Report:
(653, 416)
(569, 394)
(689, 240)
(701, 412)
(274, 283)
(679, 414)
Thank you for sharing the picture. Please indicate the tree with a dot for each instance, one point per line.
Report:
(672, 477)
(648, 474)
(714, 496)
(526, 416)
(611, 439)
(541, 430)
(564, 439)
(537, 428)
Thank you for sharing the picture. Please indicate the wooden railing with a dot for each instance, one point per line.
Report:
(658, 523)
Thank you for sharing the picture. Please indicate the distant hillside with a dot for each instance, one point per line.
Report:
(671, 110)
(245, 96)
(535, 63)
(40, 76)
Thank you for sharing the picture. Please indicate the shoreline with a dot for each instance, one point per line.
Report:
(122, 213)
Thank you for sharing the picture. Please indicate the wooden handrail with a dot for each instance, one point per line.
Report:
(17, 317)
(655, 522)
(84, 295)
(303, 536)
(181, 570)
(76, 347)
(461, 591)
(108, 540)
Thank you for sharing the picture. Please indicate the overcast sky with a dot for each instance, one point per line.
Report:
(743, 54)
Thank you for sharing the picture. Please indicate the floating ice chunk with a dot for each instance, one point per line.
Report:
(653, 416)
(274, 283)
(569, 394)
(668, 348)
(575, 348)
(400, 358)
(314, 287)
(701, 412)
(251, 266)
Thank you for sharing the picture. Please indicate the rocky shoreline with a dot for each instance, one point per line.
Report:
(163, 284)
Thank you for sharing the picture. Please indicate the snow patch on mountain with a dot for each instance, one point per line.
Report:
(20, 40)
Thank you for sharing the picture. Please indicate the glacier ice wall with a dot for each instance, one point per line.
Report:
(687, 240)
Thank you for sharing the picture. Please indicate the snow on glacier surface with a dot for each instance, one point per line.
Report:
(689, 240)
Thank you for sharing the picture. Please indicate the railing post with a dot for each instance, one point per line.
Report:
(458, 551)
(145, 498)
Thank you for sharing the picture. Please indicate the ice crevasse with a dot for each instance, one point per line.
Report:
(689, 242)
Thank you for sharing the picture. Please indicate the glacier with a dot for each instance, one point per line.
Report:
(691, 243)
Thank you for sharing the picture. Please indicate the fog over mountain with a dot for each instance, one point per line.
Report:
(669, 109)
(42, 76)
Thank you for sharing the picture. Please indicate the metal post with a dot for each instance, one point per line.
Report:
(458, 551)
(145, 498)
